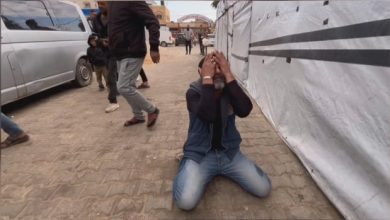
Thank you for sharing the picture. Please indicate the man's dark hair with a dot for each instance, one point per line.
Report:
(201, 63)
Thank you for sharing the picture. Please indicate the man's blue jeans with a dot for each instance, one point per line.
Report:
(193, 177)
(9, 126)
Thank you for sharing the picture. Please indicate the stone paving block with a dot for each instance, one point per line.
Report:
(62, 177)
(91, 176)
(14, 192)
(38, 209)
(41, 192)
(129, 205)
(149, 187)
(18, 179)
(115, 175)
(10, 209)
(103, 206)
(112, 164)
(69, 191)
(68, 209)
(95, 190)
(120, 189)
(157, 203)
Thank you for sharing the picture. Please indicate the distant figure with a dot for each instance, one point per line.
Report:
(126, 34)
(213, 143)
(201, 47)
(16, 134)
(188, 37)
(98, 59)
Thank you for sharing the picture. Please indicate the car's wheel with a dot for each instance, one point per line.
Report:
(83, 73)
(164, 44)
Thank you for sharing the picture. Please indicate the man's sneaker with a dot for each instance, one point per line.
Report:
(14, 140)
(101, 87)
(112, 107)
(152, 117)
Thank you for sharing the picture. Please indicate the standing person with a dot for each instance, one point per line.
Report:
(126, 31)
(213, 144)
(16, 134)
(201, 47)
(188, 37)
(99, 26)
(98, 59)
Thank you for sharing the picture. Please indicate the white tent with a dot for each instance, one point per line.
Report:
(320, 71)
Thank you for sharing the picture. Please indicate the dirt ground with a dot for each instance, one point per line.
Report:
(81, 163)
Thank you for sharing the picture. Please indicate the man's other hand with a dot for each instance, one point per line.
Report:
(155, 56)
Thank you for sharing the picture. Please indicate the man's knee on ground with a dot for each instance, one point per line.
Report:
(265, 188)
(185, 203)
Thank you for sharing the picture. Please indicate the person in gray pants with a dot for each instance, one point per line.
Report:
(126, 34)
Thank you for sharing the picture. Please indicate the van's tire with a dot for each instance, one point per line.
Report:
(83, 73)
(164, 44)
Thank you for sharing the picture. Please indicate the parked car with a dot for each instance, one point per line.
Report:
(209, 40)
(165, 36)
(180, 39)
(43, 44)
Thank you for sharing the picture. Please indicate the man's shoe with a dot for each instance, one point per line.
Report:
(144, 85)
(101, 87)
(14, 140)
(112, 107)
(152, 117)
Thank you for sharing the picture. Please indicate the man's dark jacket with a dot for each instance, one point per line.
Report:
(203, 112)
(126, 29)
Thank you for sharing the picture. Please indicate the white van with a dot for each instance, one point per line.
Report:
(165, 36)
(43, 44)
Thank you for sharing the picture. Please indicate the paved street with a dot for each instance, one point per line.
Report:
(81, 163)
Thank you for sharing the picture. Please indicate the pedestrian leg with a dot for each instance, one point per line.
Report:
(248, 175)
(128, 70)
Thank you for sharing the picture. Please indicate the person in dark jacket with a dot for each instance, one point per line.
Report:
(213, 144)
(98, 59)
(126, 34)
(100, 27)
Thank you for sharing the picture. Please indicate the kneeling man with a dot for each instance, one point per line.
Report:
(213, 144)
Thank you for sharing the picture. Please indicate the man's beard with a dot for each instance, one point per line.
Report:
(219, 84)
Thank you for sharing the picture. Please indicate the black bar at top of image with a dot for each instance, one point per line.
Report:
(365, 57)
(361, 30)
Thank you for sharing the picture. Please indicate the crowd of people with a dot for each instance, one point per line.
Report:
(117, 52)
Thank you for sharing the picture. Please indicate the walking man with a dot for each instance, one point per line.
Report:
(99, 26)
(213, 144)
(126, 31)
(16, 134)
(188, 37)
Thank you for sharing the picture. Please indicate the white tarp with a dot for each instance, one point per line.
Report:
(320, 71)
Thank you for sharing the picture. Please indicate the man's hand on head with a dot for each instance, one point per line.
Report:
(155, 55)
(224, 65)
(208, 69)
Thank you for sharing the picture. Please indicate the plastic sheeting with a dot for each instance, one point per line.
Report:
(320, 71)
